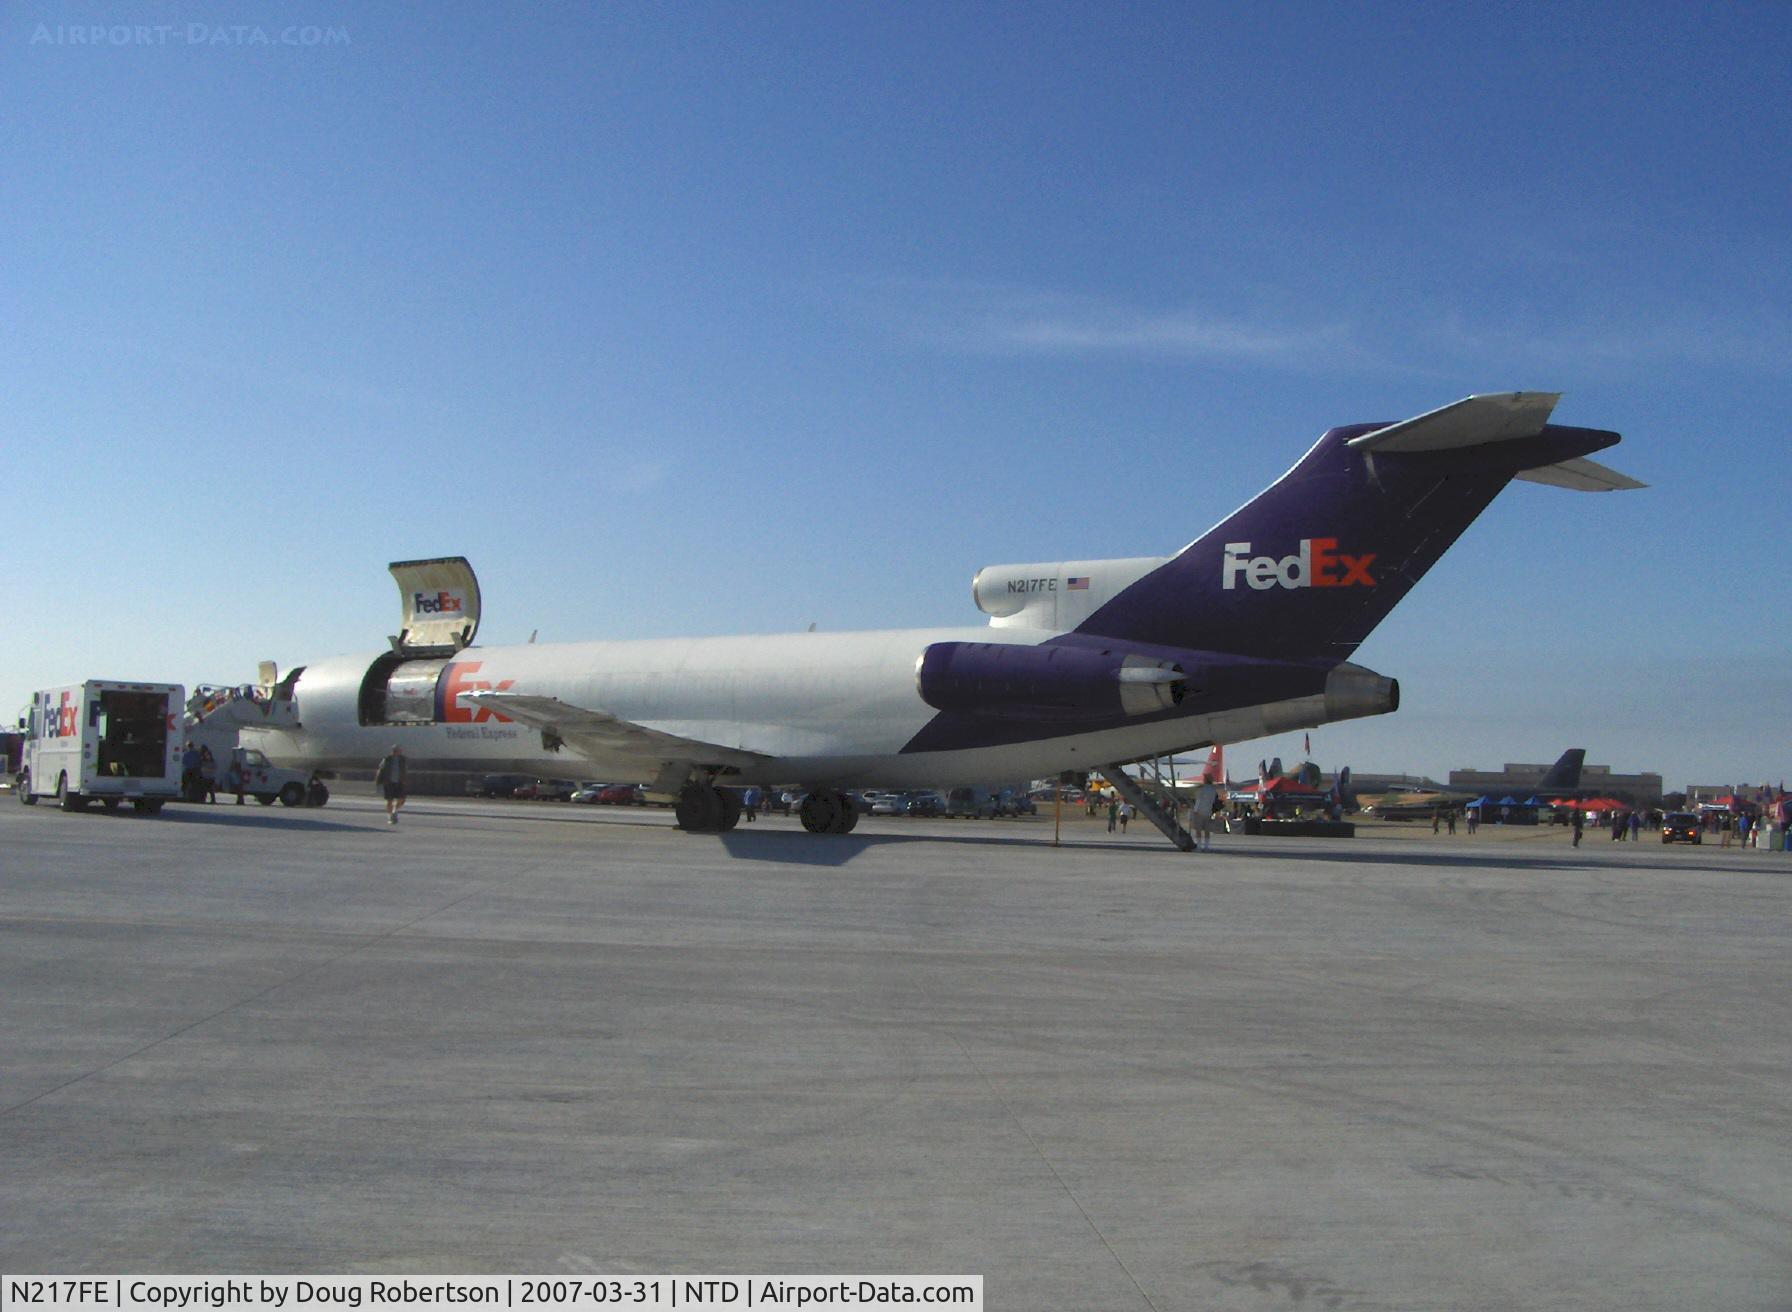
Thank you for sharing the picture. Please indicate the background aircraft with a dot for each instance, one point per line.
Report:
(1085, 664)
(1561, 780)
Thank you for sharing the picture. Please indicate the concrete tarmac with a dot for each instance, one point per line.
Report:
(1389, 1072)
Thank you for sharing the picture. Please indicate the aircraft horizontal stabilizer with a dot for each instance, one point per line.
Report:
(1472, 421)
(597, 733)
(1581, 475)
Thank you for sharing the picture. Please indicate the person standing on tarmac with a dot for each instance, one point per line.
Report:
(390, 778)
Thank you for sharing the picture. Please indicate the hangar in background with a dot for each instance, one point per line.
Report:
(1517, 777)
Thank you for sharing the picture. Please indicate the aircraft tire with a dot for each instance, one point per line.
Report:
(730, 804)
(26, 796)
(847, 813)
(698, 809)
(820, 812)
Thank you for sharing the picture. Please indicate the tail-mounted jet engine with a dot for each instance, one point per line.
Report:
(1049, 682)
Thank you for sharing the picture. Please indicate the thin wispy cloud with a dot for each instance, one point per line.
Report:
(1021, 323)
(1673, 339)
(1030, 323)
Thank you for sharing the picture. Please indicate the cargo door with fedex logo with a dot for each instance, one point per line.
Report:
(440, 606)
(439, 614)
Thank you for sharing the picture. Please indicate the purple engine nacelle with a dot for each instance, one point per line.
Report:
(1045, 682)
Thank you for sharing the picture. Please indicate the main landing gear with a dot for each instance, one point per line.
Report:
(829, 812)
(702, 809)
(705, 809)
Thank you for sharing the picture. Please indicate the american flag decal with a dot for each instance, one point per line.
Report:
(1077, 585)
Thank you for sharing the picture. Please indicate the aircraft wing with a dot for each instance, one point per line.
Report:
(598, 733)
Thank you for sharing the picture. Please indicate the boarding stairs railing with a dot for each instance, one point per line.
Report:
(1152, 798)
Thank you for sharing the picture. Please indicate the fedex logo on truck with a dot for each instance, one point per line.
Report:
(459, 678)
(443, 603)
(60, 719)
(1318, 564)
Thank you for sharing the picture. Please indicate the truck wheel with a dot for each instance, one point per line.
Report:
(111, 803)
(292, 795)
(266, 799)
(317, 795)
(152, 805)
(23, 785)
(66, 800)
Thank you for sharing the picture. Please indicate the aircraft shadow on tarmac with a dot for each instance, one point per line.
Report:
(791, 847)
(233, 818)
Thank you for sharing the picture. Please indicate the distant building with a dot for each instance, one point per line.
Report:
(1519, 779)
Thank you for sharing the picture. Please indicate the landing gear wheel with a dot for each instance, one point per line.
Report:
(818, 813)
(26, 796)
(698, 809)
(66, 800)
(292, 795)
(829, 812)
(730, 808)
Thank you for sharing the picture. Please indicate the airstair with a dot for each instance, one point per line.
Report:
(1153, 796)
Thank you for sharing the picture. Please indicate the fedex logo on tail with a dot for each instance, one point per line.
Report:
(443, 603)
(1318, 564)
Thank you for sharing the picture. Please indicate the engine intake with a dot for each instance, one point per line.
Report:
(1053, 682)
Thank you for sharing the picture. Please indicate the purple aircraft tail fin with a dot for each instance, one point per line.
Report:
(1309, 567)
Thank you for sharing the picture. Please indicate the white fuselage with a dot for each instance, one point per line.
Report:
(831, 709)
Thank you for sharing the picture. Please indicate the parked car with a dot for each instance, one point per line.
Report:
(885, 803)
(588, 791)
(1682, 827)
(974, 803)
(620, 795)
(926, 804)
(498, 785)
(548, 790)
(1014, 801)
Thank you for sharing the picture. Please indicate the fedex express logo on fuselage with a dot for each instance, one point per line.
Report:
(443, 603)
(1318, 564)
(459, 677)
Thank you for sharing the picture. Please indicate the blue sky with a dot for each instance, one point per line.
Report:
(709, 319)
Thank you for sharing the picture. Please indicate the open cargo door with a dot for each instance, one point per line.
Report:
(440, 606)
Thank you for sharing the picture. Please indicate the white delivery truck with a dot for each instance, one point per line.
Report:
(103, 741)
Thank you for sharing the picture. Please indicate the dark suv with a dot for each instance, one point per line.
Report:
(1682, 827)
(498, 785)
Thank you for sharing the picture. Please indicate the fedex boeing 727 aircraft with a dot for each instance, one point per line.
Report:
(1084, 665)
